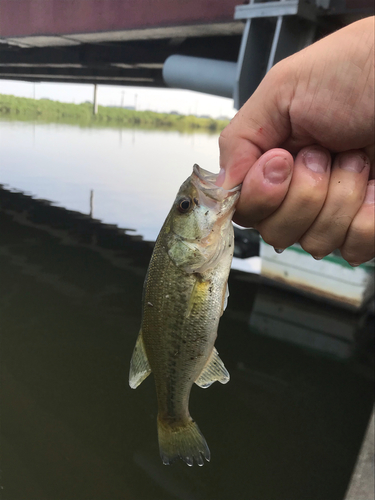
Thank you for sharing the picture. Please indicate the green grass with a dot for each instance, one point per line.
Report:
(47, 111)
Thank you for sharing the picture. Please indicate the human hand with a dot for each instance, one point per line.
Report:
(319, 106)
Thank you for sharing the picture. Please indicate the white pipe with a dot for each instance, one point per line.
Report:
(202, 75)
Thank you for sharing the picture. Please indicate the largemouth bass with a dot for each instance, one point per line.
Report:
(185, 293)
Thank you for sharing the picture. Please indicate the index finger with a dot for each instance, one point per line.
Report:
(237, 156)
(261, 124)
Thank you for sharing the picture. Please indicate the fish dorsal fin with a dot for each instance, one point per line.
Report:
(139, 365)
(214, 370)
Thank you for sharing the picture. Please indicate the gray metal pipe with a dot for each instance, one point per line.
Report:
(203, 75)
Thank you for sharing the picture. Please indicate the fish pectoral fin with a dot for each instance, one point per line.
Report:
(139, 365)
(214, 370)
(225, 299)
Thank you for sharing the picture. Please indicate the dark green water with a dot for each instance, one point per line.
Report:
(288, 426)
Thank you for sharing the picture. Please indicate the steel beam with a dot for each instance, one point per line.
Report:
(267, 9)
(291, 27)
(88, 79)
(252, 59)
(104, 71)
(143, 51)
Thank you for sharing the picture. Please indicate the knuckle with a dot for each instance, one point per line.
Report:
(362, 228)
(268, 236)
(222, 136)
(354, 258)
(229, 130)
(349, 253)
(315, 245)
(313, 197)
(352, 197)
(222, 140)
(358, 249)
(273, 237)
(348, 198)
(343, 222)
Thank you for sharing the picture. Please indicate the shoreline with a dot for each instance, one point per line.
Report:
(47, 111)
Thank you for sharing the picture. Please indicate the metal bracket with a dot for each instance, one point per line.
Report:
(268, 9)
(273, 30)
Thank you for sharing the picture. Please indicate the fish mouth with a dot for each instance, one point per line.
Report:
(205, 181)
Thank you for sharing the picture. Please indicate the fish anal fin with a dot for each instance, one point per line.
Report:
(213, 371)
(139, 365)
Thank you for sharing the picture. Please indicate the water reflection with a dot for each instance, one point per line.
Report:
(134, 179)
(287, 426)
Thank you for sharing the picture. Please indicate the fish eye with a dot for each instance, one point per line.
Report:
(184, 205)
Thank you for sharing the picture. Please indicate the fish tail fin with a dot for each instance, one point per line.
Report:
(184, 440)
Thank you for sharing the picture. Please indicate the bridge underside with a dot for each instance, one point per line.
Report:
(119, 42)
(126, 42)
(131, 62)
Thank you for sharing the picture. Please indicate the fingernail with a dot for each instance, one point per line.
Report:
(316, 160)
(279, 250)
(352, 163)
(370, 193)
(276, 171)
(317, 258)
(220, 178)
(355, 264)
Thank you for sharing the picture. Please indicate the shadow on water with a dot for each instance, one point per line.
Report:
(288, 425)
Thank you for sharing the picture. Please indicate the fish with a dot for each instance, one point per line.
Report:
(184, 295)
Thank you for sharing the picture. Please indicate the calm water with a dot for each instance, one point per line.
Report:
(134, 174)
(289, 424)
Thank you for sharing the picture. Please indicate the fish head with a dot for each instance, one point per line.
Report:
(200, 221)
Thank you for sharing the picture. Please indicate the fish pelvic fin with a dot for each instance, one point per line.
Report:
(139, 365)
(214, 370)
(183, 441)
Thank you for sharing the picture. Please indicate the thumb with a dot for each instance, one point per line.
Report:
(261, 124)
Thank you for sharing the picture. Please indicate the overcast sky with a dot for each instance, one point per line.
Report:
(163, 100)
